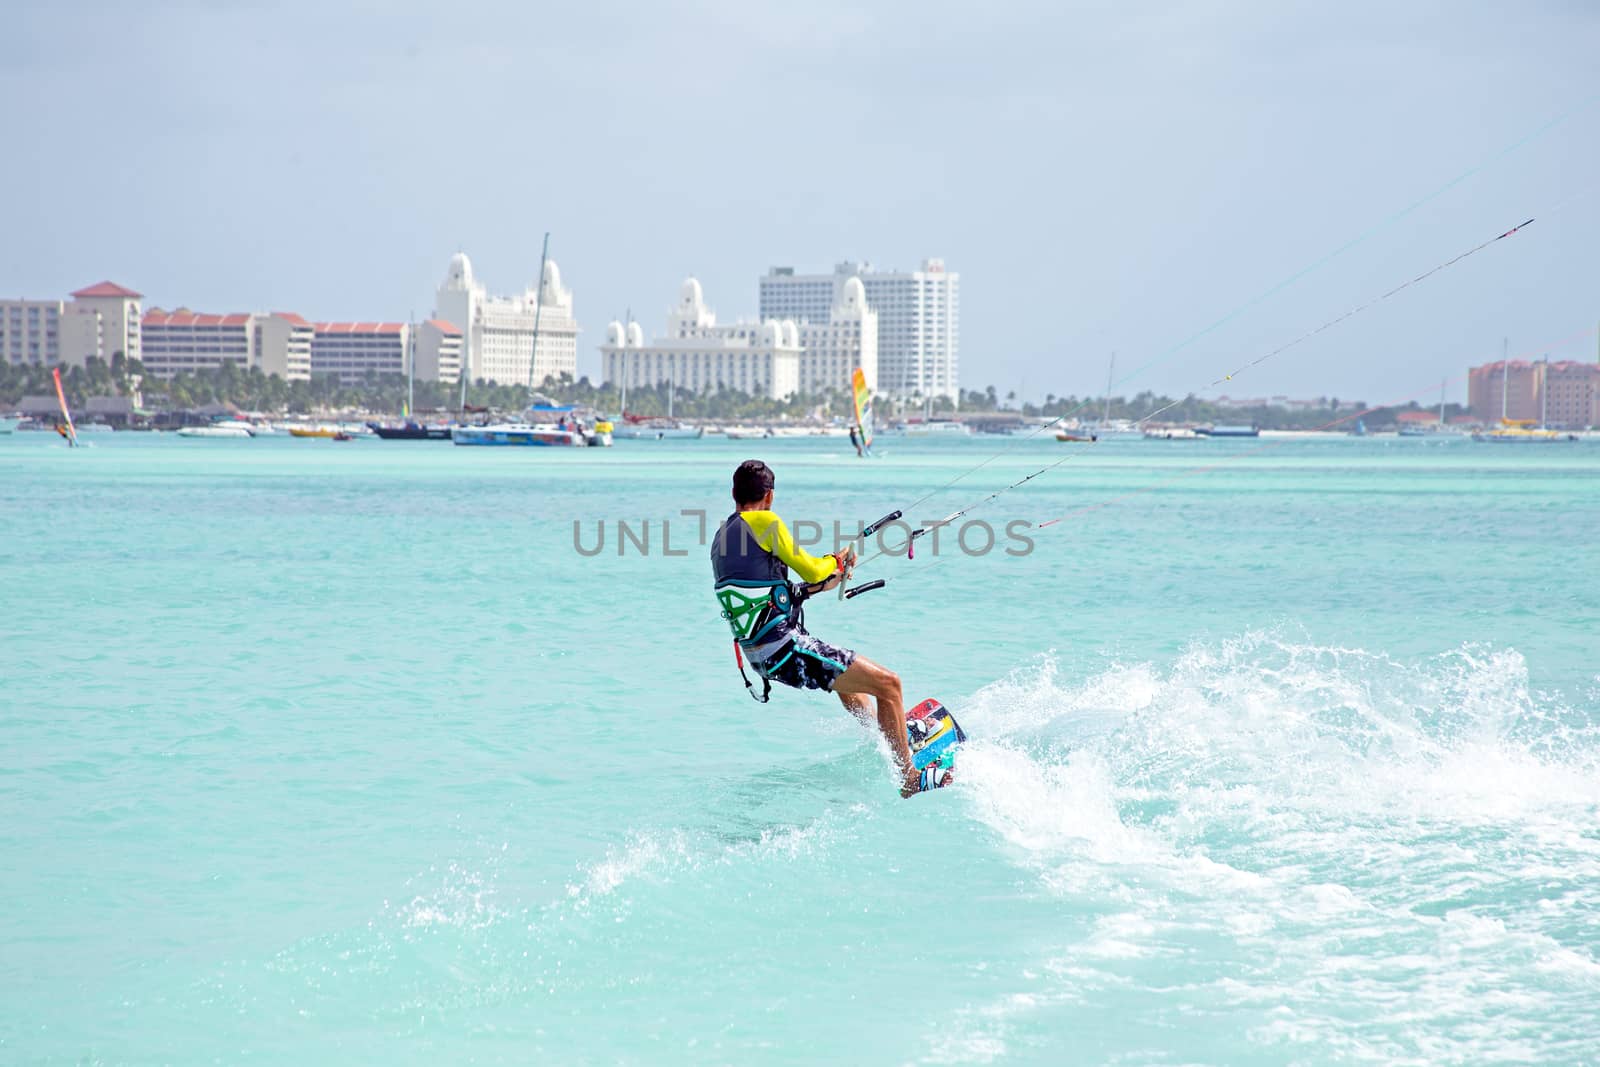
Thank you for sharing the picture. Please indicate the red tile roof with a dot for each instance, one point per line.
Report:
(445, 327)
(290, 316)
(185, 317)
(108, 289)
(359, 327)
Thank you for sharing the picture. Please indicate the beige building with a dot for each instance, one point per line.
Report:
(283, 345)
(352, 350)
(98, 323)
(436, 347)
(101, 321)
(30, 332)
(184, 341)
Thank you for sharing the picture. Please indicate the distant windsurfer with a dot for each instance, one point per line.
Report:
(855, 440)
(751, 556)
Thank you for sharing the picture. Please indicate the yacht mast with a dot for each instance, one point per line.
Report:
(538, 306)
(1544, 391)
(622, 356)
(1505, 375)
(1111, 375)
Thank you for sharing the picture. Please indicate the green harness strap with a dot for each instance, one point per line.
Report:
(743, 607)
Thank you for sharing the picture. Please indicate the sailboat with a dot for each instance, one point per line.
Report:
(654, 427)
(1107, 428)
(411, 429)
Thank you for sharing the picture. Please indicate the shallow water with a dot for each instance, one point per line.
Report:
(330, 751)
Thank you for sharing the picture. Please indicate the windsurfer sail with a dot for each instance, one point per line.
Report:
(863, 399)
(71, 433)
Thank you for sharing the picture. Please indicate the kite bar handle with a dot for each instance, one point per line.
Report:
(886, 520)
(876, 583)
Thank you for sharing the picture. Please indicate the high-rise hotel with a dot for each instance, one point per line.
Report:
(918, 312)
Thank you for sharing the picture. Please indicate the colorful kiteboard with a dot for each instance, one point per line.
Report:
(933, 735)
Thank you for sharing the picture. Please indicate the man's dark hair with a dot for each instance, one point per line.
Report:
(751, 481)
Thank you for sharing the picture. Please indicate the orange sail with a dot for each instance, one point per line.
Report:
(72, 431)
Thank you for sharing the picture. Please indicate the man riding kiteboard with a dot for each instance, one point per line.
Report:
(751, 556)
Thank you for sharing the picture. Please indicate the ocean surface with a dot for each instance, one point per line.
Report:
(323, 752)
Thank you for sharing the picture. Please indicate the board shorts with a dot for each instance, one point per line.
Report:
(809, 663)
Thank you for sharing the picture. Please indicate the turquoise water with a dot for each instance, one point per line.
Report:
(323, 752)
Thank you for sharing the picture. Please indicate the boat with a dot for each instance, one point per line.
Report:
(936, 428)
(654, 428)
(232, 430)
(342, 436)
(1170, 433)
(1228, 431)
(1075, 436)
(1521, 432)
(410, 431)
(746, 433)
(1108, 428)
(518, 433)
(311, 431)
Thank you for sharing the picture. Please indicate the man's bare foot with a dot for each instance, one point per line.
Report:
(940, 777)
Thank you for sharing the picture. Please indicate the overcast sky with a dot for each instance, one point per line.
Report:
(1104, 176)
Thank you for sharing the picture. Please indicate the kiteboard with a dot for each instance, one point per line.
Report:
(934, 735)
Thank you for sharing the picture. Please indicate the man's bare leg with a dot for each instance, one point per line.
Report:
(866, 677)
(859, 705)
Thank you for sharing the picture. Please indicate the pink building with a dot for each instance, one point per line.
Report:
(1495, 391)
(1565, 395)
(1572, 393)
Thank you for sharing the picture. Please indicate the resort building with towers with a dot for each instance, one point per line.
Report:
(498, 332)
(700, 354)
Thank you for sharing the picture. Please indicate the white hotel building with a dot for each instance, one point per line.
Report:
(918, 313)
(498, 332)
(834, 346)
(182, 341)
(760, 358)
